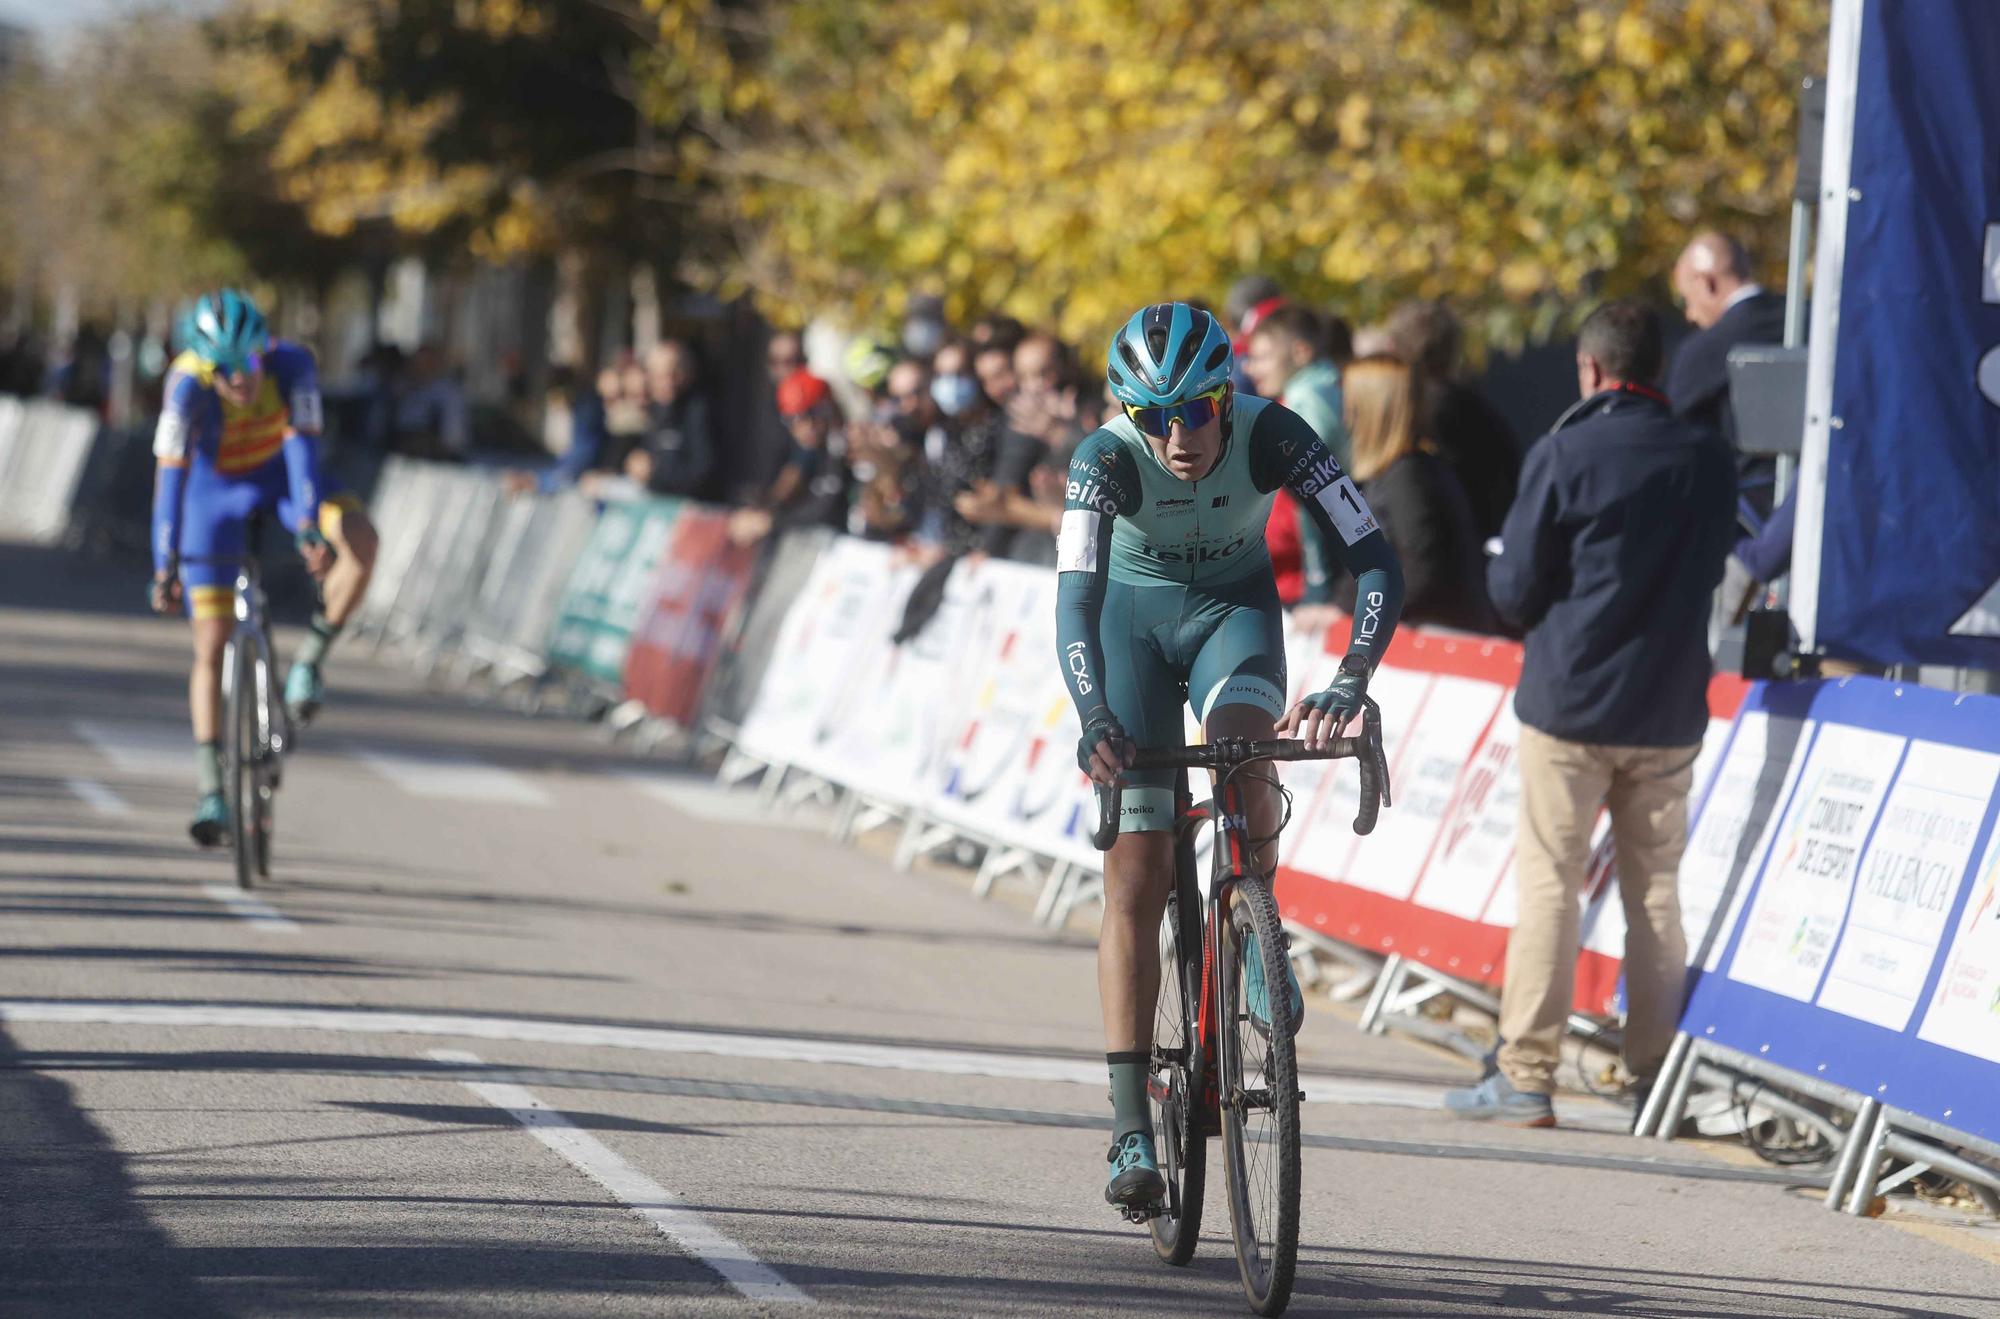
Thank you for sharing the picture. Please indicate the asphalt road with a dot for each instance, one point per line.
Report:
(529, 1026)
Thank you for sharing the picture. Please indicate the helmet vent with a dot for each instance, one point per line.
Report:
(1131, 356)
(1216, 358)
(1185, 358)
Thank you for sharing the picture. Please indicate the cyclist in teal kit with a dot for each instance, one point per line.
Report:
(1165, 586)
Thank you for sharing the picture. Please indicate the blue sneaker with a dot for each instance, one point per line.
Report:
(303, 693)
(1135, 1172)
(1495, 1099)
(1258, 1000)
(210, 826)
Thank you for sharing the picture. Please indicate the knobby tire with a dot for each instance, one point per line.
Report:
(1260, 1139)
(239, 759)
(1174, 1084)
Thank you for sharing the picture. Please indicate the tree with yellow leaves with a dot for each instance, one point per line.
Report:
(1069, 159)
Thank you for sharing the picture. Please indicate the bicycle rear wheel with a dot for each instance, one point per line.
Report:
(240, 757)
(1259, 1076)
(1174, 1087)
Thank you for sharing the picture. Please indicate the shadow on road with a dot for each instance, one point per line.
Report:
(73, 1240)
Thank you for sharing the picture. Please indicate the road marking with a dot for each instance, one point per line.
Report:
(653, 1039)
(453, 777)
(706, 800)
(262, 915)
(667, 1212)
(98, 797)
(153, 750)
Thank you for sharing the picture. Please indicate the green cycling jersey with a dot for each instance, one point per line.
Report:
(1129, 521)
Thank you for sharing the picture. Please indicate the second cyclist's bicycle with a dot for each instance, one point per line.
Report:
(256, 730)
(1219, 1070)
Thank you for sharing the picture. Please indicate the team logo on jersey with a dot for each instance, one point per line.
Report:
(1168, 508)
(1317, 475)
(1195, 553)
(1092, 495)
(1220, 501)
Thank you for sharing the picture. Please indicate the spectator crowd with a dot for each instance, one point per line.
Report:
(956, 441)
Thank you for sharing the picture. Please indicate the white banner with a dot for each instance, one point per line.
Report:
(1806, 888)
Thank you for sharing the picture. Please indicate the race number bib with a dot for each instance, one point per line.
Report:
(1349, 510)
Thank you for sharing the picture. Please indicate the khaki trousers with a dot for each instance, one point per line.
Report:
(1562, 785)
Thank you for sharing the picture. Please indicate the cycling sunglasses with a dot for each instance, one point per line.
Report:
(1193, 413)
(239, 369)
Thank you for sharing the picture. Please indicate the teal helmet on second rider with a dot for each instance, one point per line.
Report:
(1168, 353)
(226, 329)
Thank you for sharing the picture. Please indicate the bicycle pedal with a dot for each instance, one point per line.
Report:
(1142, 1213)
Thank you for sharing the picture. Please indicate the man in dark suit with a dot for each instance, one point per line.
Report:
(1728, 307)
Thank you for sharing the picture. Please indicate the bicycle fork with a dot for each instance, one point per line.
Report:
(1232, 864)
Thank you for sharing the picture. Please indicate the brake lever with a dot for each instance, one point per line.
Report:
(1371, 730)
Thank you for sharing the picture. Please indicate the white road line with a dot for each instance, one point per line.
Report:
(453, 777)
(153, 750)
(667, 1212)
(709, 801)
(261, 915)
(98, 797)
(649, 1039)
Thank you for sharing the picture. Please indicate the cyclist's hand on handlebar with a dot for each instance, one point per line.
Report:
(315, 551)
(1323, 716)
(1103, 751)
(164, 593)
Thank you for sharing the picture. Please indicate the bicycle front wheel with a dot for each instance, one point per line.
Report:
(1259, 1076)
(1174, 1087)
(240, 758)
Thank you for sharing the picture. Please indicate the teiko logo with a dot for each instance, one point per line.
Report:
(1324, 473)
(1092, 495)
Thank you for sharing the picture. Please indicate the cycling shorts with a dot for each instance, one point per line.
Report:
(1209, 646)
(215, 523)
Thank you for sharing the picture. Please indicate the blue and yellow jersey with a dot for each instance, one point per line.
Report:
(204, 443)
(197, 424)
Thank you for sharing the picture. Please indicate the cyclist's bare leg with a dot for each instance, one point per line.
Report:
(1138, 875)
(352, 535)
(1258, 779)
(211, 635)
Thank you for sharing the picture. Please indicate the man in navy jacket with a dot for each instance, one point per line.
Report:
(1610, 554)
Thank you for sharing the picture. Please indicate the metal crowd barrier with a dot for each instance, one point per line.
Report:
(44, 448)
(534, 545)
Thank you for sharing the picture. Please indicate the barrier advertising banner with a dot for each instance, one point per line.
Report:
(699, 583)
(606, 591)
(1904, 383)
(1865, 947)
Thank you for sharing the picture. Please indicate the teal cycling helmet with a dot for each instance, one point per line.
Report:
(1166, 354)
(226, 330)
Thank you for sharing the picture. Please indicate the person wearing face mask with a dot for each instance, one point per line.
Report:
(959, 453)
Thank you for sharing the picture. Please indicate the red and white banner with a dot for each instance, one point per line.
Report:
(970, 724)
(699, 584)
